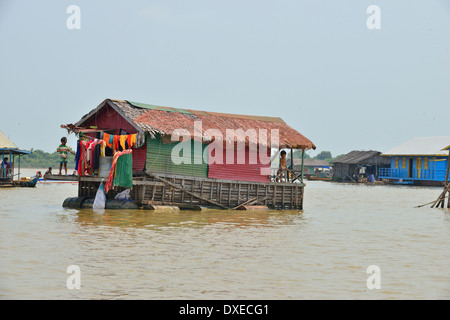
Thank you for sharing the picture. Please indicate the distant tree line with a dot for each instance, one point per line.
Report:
(43, 160)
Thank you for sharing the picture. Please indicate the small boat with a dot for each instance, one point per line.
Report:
(320, 178)
(28, 182)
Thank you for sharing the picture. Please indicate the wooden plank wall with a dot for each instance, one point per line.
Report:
(228, 194)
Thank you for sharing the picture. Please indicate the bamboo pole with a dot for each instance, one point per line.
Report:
(303, 163)
(423, 205)
(292, 162)
(438, 200)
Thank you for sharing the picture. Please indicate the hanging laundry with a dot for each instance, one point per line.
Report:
(122, 140)
(116, 143)
(131, 140)
(123, 175)
(106, 138)
(110, 180)
(103, 149)
(77, 156)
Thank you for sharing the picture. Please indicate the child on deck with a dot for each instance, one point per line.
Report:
(283, 166)
(63, 149)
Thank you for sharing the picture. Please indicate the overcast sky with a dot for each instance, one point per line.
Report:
(314, 63)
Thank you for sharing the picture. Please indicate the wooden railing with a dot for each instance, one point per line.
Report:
(286, 175)
(417, 174)
(6, 173)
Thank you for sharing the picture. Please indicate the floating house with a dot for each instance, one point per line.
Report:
(419, 161)
(10, 164)
(313, 168)
(356, 164)
(187, 158)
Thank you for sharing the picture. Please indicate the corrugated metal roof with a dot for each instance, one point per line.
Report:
(355, 157)
(154, 107)
(427, 146)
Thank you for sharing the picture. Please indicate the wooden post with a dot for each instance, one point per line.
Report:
(18, 177)
(11, 167)
(303, 163)
(292, 162)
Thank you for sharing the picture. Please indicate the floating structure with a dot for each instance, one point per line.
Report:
(419, 161)
(184, 158)
(9, 172)
(356, 164)
(314, 169)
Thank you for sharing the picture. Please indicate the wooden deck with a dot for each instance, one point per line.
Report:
(61, 177)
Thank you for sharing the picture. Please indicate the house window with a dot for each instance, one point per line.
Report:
(396, 163)
(425, 163)
(418, 163)
(404, 163)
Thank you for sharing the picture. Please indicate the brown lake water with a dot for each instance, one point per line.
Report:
(320, 253)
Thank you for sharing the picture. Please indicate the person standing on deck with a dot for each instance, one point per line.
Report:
(63, 149)
(6, 168)
(283, 166)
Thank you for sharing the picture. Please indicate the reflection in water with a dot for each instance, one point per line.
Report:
(322, 252)
(192, 219)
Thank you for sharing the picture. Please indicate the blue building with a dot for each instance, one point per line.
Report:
(420, 161)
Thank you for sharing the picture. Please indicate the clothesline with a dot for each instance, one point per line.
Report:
(113, 141)
(125, 141)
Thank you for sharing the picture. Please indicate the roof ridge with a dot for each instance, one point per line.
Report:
(200, 112)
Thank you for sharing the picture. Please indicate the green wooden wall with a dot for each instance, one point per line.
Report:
(159, 158)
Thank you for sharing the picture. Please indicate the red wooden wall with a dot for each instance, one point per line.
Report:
(256, 172)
